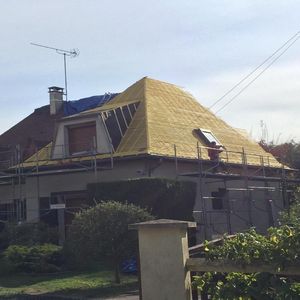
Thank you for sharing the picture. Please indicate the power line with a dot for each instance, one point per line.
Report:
(254, 70)
(259, 74)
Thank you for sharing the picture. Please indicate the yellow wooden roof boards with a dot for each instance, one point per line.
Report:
(167, 116)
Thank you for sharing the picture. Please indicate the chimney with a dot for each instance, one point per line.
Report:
(56, 99)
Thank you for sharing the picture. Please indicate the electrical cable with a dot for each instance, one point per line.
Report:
(259, 74)
(254, 70)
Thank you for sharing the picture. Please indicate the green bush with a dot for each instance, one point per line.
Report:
(292, 215)
(164, 198)
(279, 249)
(101, 232)
(45, 258)
(5, 266)
(27, 234)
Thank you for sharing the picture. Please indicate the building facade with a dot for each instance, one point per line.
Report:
(152, 129)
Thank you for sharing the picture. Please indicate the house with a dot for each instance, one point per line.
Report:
(152, 129)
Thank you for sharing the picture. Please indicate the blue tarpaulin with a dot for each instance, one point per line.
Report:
(129, 266)
(77, 106)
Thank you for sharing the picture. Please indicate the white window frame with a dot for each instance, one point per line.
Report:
(203, 131)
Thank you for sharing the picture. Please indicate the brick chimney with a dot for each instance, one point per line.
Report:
(56, 99)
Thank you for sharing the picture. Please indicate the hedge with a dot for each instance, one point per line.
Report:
(45, 258)
(163, 198)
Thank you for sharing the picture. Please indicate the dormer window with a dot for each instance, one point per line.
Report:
(90, 134)
(207, 136)
(82, 138)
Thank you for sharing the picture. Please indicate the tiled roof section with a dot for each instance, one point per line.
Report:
(166, 116)
(36, 130)
(172, 116)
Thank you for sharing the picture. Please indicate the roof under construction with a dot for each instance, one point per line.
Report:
(167, 117)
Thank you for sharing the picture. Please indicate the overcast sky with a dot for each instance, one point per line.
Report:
(206, 47)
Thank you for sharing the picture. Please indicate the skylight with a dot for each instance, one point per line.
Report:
(207, 136)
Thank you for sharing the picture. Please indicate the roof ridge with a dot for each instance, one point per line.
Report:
(162, 81)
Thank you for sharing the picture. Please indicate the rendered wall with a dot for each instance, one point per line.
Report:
(257, 207)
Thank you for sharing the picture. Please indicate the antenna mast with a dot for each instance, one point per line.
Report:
(72, 53)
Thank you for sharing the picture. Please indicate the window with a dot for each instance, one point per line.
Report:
(74, 201)
(206, 135)
(13, 211)
(218, 199)
(82, 138)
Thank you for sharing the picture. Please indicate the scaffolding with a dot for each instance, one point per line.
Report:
(224, 172)
(14, 170)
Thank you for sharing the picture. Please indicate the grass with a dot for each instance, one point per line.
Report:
(91, 284)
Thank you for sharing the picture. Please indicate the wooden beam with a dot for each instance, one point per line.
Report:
(203, 265)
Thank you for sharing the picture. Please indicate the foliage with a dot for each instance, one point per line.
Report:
(287, 153)
(27, 234)
(292, 216)
(102, 232)
(164, 198)
(45, 258)
(280, 248)
(5, 267)
(240, 286)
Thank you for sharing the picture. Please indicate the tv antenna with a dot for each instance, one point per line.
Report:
(71, 53)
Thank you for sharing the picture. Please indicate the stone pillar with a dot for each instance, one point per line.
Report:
(163, 246)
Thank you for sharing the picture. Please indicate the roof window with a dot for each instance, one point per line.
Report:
(207, 136)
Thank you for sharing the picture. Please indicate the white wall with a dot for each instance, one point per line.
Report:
(217, 220)
(60, 146)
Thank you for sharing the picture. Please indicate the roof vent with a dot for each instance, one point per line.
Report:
(56, 99)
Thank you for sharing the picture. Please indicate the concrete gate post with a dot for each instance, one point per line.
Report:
(163, 246)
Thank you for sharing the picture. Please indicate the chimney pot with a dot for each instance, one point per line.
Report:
(56, 99)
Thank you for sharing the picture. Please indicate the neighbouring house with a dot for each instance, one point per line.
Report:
(152, 129)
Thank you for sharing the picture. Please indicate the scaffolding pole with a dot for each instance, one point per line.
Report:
(200, 193)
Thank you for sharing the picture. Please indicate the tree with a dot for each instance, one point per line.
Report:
(102, 232)
(287, 153)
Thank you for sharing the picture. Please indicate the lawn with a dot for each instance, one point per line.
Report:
(91, 284)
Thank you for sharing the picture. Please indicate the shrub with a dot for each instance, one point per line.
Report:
(27, 234)
(292, 215)
(102, 232)
(45, 258)
(280, 248)
(5, 266)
